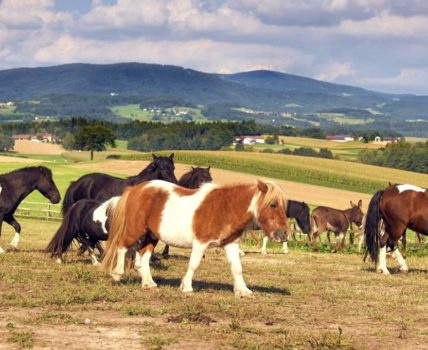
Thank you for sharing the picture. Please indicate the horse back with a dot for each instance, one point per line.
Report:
(330, 217)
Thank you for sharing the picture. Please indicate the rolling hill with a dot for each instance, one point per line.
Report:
(296, 100)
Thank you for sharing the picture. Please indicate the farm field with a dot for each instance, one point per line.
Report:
(302, 301)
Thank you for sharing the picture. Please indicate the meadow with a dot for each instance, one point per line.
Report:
(302, 300)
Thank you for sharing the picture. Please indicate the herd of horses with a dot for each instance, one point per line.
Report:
(134, 213)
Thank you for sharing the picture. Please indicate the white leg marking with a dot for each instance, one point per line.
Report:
(361, 241)
(15, 241)
(403, 265)
(2, 250)
(382, 261)
(146, 276)
(198, 250)
(285, 247)
(339, 240)
(119, 270)
(264, 251)
(241, 252)
(137, 263)
(58, 261)
(240, 288)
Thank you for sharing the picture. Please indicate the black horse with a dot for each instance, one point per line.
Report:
(192, 179)
(102, 187)
(301, 213)
(88, 220)
(17, 185)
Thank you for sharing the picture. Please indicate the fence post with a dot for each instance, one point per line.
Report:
(48, 213)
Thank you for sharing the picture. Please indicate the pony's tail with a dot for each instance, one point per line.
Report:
(116, 232)
(371, 228)
(69, 197)
(62, 239)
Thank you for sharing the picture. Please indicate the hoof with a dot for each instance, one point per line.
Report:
(186, 289)
(58, 261)
(264, 252)
(97, 263)
(2, 250)
(149, 285)
(285, 251)
(116, 277)
(404, 271)
(385, 272)
(243, 293)
(154, 259)
(165, 256)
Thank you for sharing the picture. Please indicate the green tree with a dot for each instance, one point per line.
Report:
(68, 142)
(94, 137)
(6, 143)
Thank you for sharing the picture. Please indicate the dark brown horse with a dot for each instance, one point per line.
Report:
(390, 213)
(335, 220)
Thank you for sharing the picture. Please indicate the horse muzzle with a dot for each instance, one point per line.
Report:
(279, 236)
(55, 198)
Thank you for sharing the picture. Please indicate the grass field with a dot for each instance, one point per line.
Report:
(302, 301)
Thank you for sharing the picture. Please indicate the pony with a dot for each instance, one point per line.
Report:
(17, 185)
(102, 187)
(390, 213)
(299, 211)
(192, 179)
(211, 216)
(338, 221)
(87, 220)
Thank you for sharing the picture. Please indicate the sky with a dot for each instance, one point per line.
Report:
(380, 45)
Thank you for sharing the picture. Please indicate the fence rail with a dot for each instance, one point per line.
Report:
(39, 210)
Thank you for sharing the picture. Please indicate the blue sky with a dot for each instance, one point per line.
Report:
(377, 44)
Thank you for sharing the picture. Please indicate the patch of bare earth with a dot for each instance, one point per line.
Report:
(32, 147)
(312, 194)
(5, 159)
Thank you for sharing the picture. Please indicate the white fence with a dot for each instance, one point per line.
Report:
(39, 210)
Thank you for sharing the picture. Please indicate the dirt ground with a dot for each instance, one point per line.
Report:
(311, 194)
(5, 159)
(31, 147)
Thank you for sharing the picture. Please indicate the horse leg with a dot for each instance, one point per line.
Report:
(285, 247)
(12, 221)
(1, 221)
(361, 241)
(239, 286)
(382, 250)
(419, 238)
(340, 240)
(144, 269)
(265, 239)
(198, 250)
(404, 241)
(91, 247)
(165, 253)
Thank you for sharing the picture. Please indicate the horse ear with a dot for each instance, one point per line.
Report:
(360, 203)
(389, 183)
(154, 156)
(193, 168)
(171, 156)
(352, 204)
(262, 186)
(208, 169)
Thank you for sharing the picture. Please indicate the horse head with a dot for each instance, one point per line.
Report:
(199, 176)
(270, 211)
(46, 186)
(164, 168)
(303, 218)
(356, 213)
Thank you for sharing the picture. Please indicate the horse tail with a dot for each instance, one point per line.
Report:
(62, 239)
(371, 228)
(69, 197)
(116, 232)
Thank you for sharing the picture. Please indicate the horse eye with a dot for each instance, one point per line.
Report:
(273, 205)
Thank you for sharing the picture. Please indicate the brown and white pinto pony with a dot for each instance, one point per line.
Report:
(390, 213)
(211, 216)
(338, 221)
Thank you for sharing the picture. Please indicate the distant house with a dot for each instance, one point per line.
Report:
(340, 138)
(386, 139)
(6, 104)
(249, 140)
(21, 137)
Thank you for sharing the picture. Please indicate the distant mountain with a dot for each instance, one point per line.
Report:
(314, 102)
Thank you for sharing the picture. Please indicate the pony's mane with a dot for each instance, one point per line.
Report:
(44, 170)
(273, 194)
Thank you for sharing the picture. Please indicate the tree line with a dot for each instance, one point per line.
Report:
(400, 155)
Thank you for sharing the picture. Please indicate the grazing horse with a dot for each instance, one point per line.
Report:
(102, 187)
(211, 216)
(88, 220)
(299, 211)
(390, 213)
(338, 221)
(192, 179)
(17, 185)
